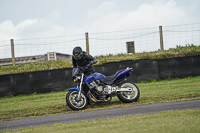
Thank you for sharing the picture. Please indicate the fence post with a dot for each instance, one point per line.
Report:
(12, 51)
(161, 38)
(130, 47)
(87, 42)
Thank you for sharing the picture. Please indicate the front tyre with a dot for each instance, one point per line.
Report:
(128, 97)
(74, 103)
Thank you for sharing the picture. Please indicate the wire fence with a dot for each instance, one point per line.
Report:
(115, 42)
(105, 43)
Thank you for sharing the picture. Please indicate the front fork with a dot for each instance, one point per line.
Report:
(80, 86)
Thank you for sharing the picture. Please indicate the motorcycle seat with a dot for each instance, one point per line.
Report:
(110, 79)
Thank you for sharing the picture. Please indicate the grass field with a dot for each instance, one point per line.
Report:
(170, 90)
(186, 121)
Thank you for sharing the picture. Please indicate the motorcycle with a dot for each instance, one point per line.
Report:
(96, 87)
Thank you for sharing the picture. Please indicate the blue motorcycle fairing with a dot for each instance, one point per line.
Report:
(93, 76)
(75, 71)
(78, 89)
(124, 73)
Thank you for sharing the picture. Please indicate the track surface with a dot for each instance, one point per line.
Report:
(91, 115)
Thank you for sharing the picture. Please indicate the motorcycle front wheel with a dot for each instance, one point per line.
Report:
(128, 97)
(74, 103)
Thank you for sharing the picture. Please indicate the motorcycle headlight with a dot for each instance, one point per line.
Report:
(76, 79)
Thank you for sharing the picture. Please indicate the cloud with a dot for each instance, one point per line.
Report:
(160, 12)
(101, 10)
(106, 17)
(42, 28)
(29, 28)
(8, 30)
(26, 23)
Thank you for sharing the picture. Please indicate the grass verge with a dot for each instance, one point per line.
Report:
(179, 51)
(186, 121)
(26, 106)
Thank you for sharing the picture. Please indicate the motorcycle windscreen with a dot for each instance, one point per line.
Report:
(93, 76)
(75, 72)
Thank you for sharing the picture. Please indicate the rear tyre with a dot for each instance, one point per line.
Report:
(74, 103)
(128, 97)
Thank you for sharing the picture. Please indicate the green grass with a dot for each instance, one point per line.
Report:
(36, 66)
(186, 121)
(26, 106)
(179, 51)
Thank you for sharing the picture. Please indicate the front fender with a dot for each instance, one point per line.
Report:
(76, 89)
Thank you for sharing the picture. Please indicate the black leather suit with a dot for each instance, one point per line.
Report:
(85, 63)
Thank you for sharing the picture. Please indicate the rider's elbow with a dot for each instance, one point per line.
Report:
(94, 61)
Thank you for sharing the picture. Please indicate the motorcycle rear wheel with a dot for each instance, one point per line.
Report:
(74, 103)
(128, 97)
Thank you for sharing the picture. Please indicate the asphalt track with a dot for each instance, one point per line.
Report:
(91, 115)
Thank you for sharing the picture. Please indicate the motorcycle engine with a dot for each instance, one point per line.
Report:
(100, 88)
(96, 84)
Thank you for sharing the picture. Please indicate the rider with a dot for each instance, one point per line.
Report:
(83, 60)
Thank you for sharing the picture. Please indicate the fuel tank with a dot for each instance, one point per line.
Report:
(93, 76)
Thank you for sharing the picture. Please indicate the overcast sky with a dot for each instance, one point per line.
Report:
(21, 19)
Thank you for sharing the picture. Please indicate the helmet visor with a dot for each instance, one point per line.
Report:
(77, 57)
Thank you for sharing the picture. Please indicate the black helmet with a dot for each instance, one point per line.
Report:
(77, 53)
